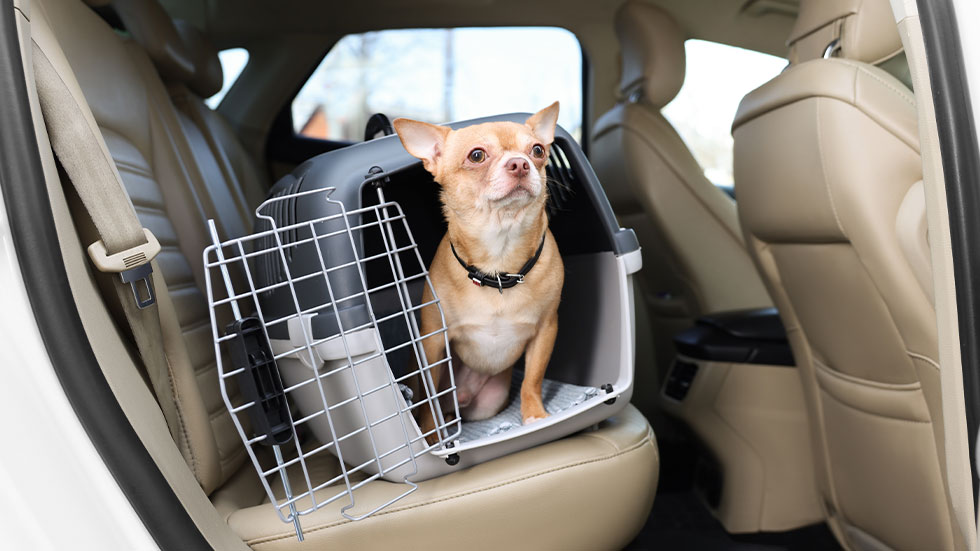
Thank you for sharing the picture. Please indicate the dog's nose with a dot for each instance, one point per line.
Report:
(518, 166)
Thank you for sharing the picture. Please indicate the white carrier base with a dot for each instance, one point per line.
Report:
(601, 356)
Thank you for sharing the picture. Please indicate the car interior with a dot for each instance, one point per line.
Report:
(787, 386)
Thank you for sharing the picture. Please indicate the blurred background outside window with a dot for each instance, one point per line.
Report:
(441, 75)
(233, 62)
(717, 78)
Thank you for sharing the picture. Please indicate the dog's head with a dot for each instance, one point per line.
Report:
(494, 165)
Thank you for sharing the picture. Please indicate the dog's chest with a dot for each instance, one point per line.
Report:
(488, 341)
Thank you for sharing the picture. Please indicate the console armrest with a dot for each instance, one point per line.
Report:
(742, 336)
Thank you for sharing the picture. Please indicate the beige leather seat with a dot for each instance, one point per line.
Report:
(828, 176)
(592, 490)
(188, 94)
(688, 228)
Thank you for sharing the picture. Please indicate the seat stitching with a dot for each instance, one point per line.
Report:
(826, 174)
(180, 416)
(861, 68)
(645, 442)
(913, 146)
(924, 358)
(898, 92)
(881, 296)
(866, 412)
(866, 382)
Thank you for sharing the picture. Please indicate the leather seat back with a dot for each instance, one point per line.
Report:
(688, 228)
(828, 175)
(142, 132)
(188, 93)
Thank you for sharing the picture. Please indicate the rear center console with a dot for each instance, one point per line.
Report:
(735, 384)
(741, 336)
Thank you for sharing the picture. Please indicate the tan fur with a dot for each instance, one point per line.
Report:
(496, 219)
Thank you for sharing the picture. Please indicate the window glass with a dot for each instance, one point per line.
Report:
(717, 78)
(233, 62)
(441, 75)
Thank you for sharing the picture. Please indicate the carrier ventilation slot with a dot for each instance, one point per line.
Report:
(560, 180)
(283, 212)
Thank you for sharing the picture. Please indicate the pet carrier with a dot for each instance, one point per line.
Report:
(316, 328)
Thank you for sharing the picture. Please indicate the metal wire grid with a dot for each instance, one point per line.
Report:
(236, 292)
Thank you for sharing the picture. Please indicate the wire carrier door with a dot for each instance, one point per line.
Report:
(310, 331)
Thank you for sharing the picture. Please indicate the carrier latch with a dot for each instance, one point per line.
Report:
(609, 390)
(259, 382)
(132, 265)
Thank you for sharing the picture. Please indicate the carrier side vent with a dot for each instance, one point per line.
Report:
(284, 214)
(561, 178)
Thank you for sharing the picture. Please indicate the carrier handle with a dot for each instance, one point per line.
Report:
(379, 122)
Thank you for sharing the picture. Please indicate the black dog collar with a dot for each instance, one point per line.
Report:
(500, 281)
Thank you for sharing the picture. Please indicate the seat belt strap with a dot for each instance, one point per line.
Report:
(125, 247)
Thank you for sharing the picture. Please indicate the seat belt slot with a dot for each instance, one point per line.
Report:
(135, 276)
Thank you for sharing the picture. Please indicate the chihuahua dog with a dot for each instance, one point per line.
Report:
(497, 271)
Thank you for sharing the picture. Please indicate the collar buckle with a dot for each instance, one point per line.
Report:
(500, 281)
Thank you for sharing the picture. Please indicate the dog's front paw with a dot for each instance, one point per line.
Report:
(432, 439)
(537, 414)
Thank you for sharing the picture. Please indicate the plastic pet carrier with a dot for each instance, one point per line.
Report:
(316, 326)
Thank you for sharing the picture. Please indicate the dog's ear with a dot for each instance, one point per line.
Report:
(423, 140)
(543, 123)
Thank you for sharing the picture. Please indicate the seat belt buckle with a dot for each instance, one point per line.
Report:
(132, 265)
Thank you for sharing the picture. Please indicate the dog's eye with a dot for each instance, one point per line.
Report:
(537, 151)
(477, 156)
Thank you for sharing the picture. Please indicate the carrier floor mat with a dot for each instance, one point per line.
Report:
(557, 397)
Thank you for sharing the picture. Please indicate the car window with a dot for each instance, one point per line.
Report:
(233, 62)
(718, 77)
(441, 75)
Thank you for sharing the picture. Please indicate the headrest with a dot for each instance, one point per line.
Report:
(208, 77)
(652, 45)
(865, 29)
(151, 27)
